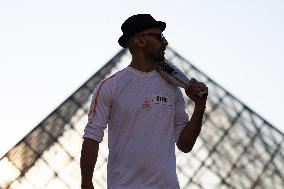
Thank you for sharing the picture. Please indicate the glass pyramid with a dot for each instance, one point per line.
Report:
(236, 149)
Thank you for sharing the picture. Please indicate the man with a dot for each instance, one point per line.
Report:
(145, 115)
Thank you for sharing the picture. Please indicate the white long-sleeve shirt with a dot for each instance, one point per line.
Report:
(145, 115)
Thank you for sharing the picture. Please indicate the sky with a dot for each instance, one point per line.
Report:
(50, 48)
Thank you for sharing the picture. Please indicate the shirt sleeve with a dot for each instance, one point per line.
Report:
(99, 112)
(181, 117)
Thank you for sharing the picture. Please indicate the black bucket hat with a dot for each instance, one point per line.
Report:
(138, 23)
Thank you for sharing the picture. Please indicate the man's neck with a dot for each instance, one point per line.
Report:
(142, 65)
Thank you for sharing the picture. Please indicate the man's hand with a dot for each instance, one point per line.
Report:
(194, 89)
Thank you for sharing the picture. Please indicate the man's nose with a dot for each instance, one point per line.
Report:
(165, 42)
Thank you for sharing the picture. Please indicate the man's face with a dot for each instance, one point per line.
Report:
(155, 44)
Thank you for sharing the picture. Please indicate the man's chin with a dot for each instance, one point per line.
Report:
(162, 57)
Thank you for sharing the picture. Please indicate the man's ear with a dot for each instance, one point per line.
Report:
(139, 42)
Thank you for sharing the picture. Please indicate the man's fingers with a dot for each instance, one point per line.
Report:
(203, 87)
(191, 82)
(196, 87)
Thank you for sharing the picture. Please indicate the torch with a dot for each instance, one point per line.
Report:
(174, 75)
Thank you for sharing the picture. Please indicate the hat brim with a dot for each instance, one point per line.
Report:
(124, 38)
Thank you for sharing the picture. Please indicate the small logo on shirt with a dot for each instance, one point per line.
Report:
(146, 105)
(162, 99)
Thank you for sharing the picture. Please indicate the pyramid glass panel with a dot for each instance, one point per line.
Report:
(236, 147)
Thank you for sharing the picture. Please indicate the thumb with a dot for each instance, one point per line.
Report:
(190, 83)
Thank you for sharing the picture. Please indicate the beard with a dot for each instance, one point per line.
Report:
(157, 56)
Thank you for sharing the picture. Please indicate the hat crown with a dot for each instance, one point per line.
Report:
(138, 23)
(136, 20)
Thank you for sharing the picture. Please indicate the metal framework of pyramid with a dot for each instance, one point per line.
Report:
(236, 147)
